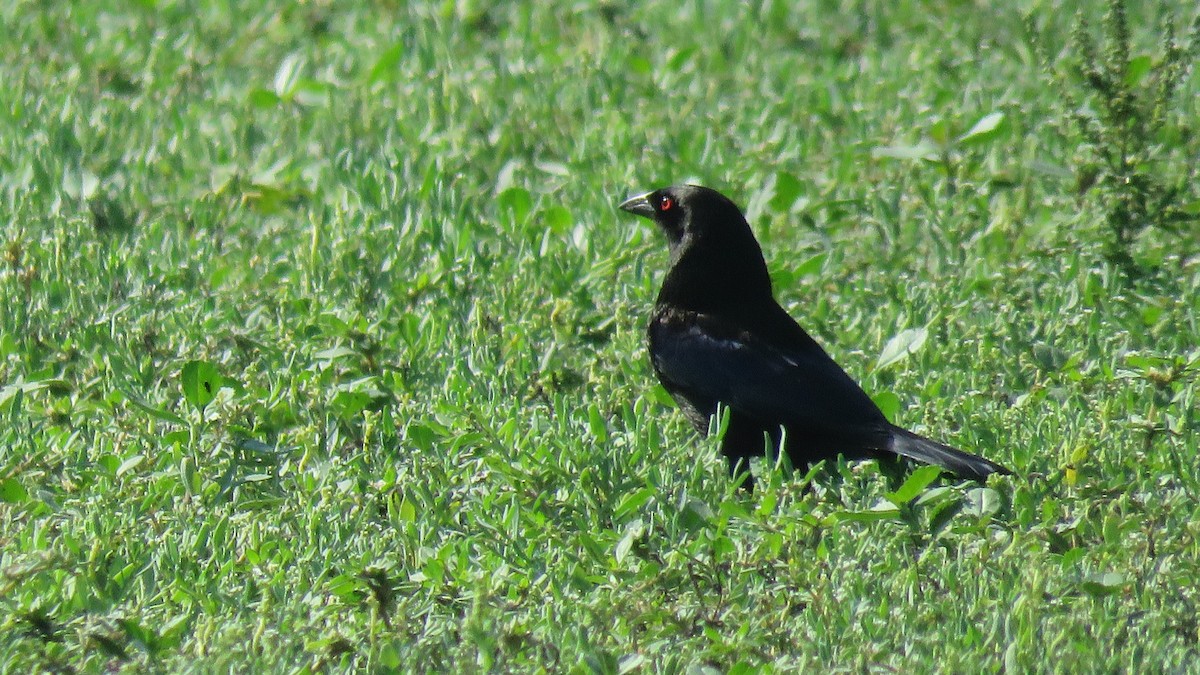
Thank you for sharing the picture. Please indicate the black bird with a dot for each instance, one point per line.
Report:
(718, 335)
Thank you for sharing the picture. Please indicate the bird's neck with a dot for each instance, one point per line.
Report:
(710, 279)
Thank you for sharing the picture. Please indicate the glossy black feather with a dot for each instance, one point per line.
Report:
(718, 335)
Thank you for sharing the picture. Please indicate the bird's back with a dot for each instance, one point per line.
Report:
(760, 362)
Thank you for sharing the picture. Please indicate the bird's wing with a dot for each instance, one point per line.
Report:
(802, 388)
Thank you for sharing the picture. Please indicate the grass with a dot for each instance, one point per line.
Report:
(385, 237)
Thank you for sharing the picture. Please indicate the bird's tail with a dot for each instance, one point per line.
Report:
(962, 464)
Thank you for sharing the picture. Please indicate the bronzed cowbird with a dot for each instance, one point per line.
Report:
(717, 335)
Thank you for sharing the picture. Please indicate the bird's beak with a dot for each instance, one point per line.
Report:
(638, 206)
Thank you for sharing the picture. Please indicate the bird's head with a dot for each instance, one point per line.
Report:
(711, 242)
(690, 214)
(680, 209)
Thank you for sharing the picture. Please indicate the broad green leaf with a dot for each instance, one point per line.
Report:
(130, 464)
(939, 133)
(942, 514)
(787, 190)
(929, 496)
(347, 404)
(630, 663)
(661, 396)
(79, 183)
(1138, 68)
(1100, 585)
(311, 92)
(390, 657)
(287, 75)
(385, 65)
(263, 99)
(15, 392)
(557, 219)
(596, 424)
(343, 586)
(901, 345)
(516, 201)
(925, 150)
(408, 512)
(984, 130)
(553, 168)
(633, 531)
(811, 267)
(201, 382)
(695, 514)
(12, 492)
(888, 403)
(334, 353)
(163, 415)
(633, 501)
(982, 501)
(639, 65)
(881, 511)
(916, 483)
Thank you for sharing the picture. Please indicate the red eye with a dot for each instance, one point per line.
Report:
(666, 203)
